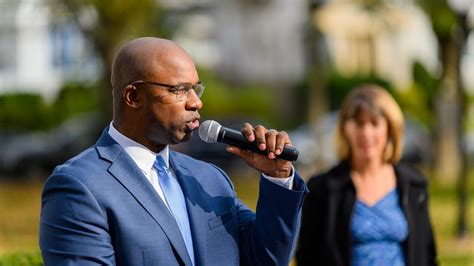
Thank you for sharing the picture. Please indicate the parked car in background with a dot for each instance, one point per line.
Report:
(35, 154)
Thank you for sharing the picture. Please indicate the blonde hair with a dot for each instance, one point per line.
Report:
(378, 102)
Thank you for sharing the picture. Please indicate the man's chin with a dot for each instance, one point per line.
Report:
(186, 137)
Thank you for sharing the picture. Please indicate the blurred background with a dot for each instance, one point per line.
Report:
(284, 63)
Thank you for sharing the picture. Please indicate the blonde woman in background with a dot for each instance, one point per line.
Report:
(369, 209)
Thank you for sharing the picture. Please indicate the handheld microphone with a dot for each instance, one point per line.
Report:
(210, 131)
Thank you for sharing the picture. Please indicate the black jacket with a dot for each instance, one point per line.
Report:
(327, 210)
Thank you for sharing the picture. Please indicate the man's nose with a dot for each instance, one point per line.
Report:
(193, 101)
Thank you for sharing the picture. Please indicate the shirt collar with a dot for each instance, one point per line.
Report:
(141, 155)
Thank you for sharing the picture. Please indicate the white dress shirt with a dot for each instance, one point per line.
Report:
(144, 158)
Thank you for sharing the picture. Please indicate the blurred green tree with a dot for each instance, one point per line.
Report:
(73, 99)
(450, 28)
(23, 111)
(107, 25)
(449, 98)
(226, 101)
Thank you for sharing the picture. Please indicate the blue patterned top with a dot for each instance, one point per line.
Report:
(378, 232)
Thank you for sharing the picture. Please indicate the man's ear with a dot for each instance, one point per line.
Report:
(130, 96)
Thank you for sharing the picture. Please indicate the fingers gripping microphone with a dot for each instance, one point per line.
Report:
(210, 131)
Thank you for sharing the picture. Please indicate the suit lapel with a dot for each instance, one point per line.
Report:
(124, 169)
(198, 225)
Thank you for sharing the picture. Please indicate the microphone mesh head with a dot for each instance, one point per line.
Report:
(209, 131)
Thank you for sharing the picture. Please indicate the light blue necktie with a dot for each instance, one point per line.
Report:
(175, 198)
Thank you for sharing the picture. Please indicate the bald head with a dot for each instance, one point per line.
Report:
(146, 58)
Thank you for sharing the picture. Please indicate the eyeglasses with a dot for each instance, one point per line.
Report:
(181, 90)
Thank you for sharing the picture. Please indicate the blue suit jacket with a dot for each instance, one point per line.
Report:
(98, 208)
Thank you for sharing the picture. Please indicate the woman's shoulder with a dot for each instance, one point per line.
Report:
(411, 174)
(317, 181)
(336, 173)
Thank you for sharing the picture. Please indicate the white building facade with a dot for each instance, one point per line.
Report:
(39, 51)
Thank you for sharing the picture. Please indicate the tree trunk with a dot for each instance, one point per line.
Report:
(317, 96)
(448, 112)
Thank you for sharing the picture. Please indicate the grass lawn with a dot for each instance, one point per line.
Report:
(20, 205)
(444, 214)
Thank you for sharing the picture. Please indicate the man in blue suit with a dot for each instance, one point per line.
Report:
(129, 200)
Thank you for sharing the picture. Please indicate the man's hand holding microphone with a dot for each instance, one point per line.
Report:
(267, 150)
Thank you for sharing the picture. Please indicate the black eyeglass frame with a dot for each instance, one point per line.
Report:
(198, 88)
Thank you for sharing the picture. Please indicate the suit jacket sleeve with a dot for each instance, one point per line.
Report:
(268, 237)
(73, 227)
